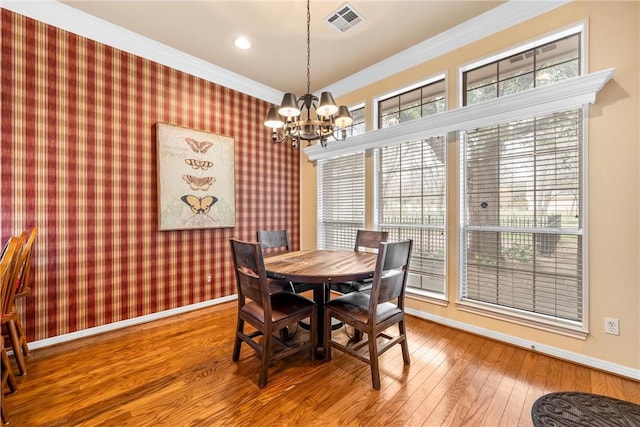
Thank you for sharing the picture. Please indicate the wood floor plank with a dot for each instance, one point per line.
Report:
(483, 401)
(178, 372)
(500, 400)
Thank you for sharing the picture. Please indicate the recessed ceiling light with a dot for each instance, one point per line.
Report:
(242, 43)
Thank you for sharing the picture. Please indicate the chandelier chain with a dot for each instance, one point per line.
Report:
(308, 47)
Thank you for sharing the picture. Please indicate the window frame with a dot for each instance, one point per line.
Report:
(440, 298)
(548, 323)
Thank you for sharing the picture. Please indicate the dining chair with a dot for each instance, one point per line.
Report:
(8, 380)
(275, 242)
(267, 312)
(23, 288)
(375, 312)
(366, 240)
(9, 314)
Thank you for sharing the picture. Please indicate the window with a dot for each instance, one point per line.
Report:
(358, 125)
(341, 200)
(521, 202)
(412, 104)
(411, 188)
(535, 67)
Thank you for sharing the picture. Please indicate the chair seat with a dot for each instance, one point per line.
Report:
(348, 287)
(356, 306)
(283, 305)
(277, 285)
(302, 287)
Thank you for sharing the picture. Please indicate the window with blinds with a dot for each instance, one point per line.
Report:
(523, 231)
(521, 204)
(412, 205)
(341, 200)
(411, 186)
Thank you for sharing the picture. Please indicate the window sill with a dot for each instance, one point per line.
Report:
(541, 322)
(426, 296)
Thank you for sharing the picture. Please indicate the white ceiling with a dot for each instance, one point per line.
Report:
(206, 30)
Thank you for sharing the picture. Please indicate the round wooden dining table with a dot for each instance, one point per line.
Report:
(321, 267)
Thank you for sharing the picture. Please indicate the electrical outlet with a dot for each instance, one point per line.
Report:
(208, 278)
(611, 326)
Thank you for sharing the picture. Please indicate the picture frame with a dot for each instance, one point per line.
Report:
(196, 179)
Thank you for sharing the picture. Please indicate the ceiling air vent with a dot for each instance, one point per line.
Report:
(345, 18)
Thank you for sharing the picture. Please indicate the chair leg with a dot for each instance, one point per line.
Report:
(10, 380)
(3, 412)
(237, 341)
(403, 343)
(23, 337)
(265, 359)
(313, 322)
(17, 350)
(373, 361)
(327, 335)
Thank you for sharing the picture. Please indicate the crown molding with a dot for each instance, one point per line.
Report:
(75, 21)
(559, 96)
(69, 19)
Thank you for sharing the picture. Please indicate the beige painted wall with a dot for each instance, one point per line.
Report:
(613, 191)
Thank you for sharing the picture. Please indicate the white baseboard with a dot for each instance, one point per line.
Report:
(570, 356)
(129, 322)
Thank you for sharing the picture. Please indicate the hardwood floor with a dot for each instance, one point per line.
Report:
(178, 372)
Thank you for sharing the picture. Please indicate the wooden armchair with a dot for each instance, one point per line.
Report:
(366, 240)
(373, 313)
(23, 285)
(15, 249)
(267, 313)
(274, 242)
(7, 265)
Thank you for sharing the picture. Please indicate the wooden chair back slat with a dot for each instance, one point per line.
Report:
(250, 273)
(24, 264)
(390, 276)
(370, 239)
(274, 241)
(9, 271)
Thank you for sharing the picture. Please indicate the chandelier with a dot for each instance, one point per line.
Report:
(302, 119)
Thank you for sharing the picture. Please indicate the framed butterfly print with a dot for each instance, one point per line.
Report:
(196, 179)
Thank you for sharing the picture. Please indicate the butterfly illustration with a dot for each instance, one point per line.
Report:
(199, 183)
(198, 164)
(199, 205)
(199, 147)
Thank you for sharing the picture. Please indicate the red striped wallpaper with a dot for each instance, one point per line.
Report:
(79, 162)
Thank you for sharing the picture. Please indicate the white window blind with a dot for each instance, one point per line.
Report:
(341, 200)
(521, 207)
(411, 187)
